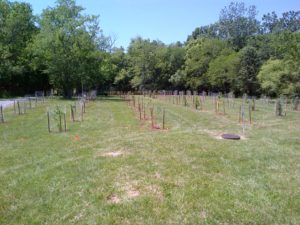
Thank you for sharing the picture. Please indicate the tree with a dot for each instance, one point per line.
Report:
(199, 54)
(270, 23)
(280, 77)
(237, 22)
(178, 80)
(263, 44)
(286, 44)
(270, 75)
(223, 71)
(290, 21)
(209, 31)
(249, 67)
(68, 44)
(142, 62)
(151, 63)
(16, 32)
(122, 76)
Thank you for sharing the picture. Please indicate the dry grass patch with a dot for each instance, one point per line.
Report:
(127, 192)
(113, 199)
(203, 214)
(155, 191)
(113, 154)
(130, 191)
(214, 134)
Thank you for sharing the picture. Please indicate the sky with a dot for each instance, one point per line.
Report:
(166, 20)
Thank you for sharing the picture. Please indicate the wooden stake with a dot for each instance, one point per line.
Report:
(201, 103)
(216, 107)
(163, 119)
(60, 126)
(48, 115)
(140, 111)
(151, 113)
(19, 107)
(72, 113)
(253, 104)
(81, 113)
(15, 110)
(133, 101)
(250, 116)
(65, 123)
(1, 114)
(240, 114)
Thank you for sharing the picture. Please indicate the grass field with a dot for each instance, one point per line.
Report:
(114, 169)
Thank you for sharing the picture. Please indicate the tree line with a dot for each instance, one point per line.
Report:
(65, 49)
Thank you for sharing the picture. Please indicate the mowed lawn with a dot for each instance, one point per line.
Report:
(114, 169)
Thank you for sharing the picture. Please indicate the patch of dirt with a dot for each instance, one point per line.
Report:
(114, 199)
(219, 137)
(76, 138)
(157, 175)
(214, 134)
(112, 154)
(203, 215)
(155, 127)
(155, 191)
(128, 193)
(131, 191)
(77, 217)
(243, 137)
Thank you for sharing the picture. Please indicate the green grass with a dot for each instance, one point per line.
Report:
(183, 175)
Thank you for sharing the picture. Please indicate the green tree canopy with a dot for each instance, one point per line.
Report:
(223, 71)
(237, 22)
(16, 32)
(69, 46)
(249, 67)
(151, 63)
(199, 54)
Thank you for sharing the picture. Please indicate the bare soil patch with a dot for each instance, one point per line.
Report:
(134, 190)
(114, 199)
(113, 154)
